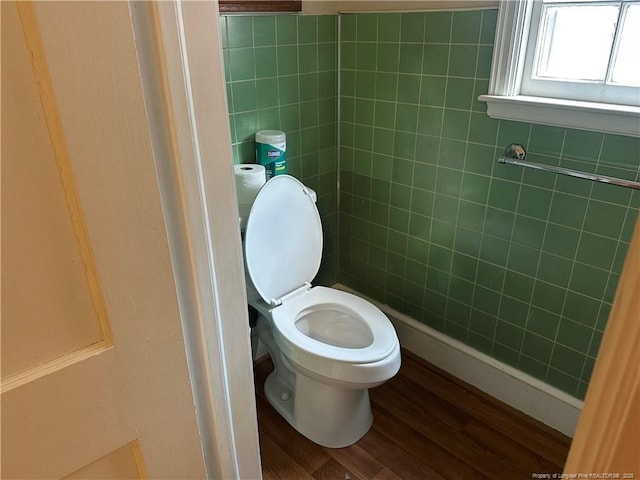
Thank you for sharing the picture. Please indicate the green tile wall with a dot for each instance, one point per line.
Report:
(519, 264)
(281, 74)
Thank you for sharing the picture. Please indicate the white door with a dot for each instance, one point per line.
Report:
(94, 376)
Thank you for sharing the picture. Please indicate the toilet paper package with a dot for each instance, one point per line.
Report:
(250, 178)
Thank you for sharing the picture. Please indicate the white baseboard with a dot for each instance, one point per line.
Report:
(523, 392)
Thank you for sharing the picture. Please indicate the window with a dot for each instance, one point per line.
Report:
(584, 51)
(568, 62)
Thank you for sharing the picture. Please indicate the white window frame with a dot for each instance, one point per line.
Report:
(594, 91)
(504, 100)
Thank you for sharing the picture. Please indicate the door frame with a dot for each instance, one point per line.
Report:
(178, 44)
(607, 436)
(182, 71)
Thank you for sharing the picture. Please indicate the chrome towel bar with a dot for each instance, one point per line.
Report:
(518, 152)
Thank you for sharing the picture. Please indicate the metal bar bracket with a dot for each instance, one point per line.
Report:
(515, 155)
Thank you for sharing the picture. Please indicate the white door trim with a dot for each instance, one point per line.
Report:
(179, 53)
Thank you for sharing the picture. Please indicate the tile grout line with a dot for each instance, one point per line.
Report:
(564, 303)
(504, 279)
(464, 168)
(415, 152)
(338, 53)
(609, 276)
(429, 240)
(393, 157)
(529, 315)
(369, 153)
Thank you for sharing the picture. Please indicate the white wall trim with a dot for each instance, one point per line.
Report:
(596, 117)
(505, 101)
(512, 30)
(537, 399)
(178, 44)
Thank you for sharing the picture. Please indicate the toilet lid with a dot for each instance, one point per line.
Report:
(283, 239)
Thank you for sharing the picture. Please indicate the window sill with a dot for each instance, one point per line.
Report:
(597, 117)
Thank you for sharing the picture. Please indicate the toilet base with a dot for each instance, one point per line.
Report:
(330, 416)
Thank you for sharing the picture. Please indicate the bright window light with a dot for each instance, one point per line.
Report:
(569, 63)
(576, 42)
(626, 67)
(585, 50)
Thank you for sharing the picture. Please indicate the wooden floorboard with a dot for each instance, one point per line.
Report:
(427, 425)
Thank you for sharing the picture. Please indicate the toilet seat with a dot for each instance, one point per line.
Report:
(284, 317)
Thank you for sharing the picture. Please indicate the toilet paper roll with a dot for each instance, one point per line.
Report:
(249, 180)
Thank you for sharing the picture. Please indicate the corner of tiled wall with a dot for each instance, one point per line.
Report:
(521, 265)
(281, 74)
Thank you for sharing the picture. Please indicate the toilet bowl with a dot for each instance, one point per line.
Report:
(328, 346)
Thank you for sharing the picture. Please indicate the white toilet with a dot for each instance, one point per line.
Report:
(328, 346)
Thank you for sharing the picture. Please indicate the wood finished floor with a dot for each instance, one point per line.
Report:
(427, 425)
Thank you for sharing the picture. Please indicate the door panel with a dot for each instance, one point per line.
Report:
(122, 463)
(60, 422)
(94, 375)
(43, 277)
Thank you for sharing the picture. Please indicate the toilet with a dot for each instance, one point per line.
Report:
(328, 346)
